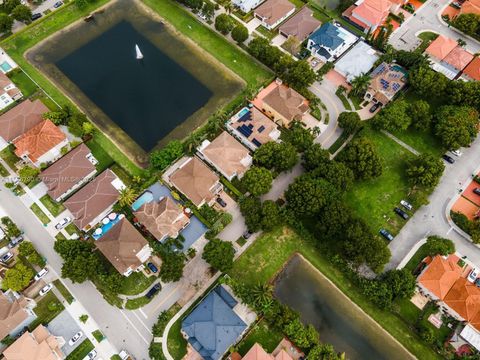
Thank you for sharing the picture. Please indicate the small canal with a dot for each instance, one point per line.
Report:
(336, 318)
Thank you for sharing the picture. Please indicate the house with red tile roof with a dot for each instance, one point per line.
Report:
(369, 14)
(459, 58)
(472, 70)
(440, 275)
(41, 144)
(470, 7)
(9, 93)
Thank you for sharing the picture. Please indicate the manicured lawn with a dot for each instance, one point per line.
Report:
(60, 236)
(421, 253)
(34, 183)
(23, 82)
(177, 345)
(137, 303)
(260, 333)
(265, 32)
(97, 334)
(136, 283)
(44, 314)
(3, 172)
(64, 291)
(271, 250)
(71, 229)
(427, 37)
(52, 206)
(40, 214)
(422, 141)
(375, 199)
(9, 157)
(241, 63)
(338, 143)
(81, 350)
(104, 159)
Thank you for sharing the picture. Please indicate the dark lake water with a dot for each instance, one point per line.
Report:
(147, 98)
(338, 321)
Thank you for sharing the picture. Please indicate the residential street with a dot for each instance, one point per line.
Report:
(431, 219)
(427, 18)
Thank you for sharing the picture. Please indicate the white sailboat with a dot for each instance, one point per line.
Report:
(139, 53)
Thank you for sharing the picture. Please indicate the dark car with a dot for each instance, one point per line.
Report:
(374, 107)
(152, 267)
(156, 288)
(386, 234)
(401, 213)
(221, 202)
(476, 191)
(247, 234)
(448, 159)
(36, 16)
(57, 4)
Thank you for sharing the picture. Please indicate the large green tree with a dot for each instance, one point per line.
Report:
(6, 23)
(161, 159)
(360, 84)
(401, 282)
(394, 117)
(314, 156)
(257, 180)
(22, 13)
(361, 156)
(427, 82)
(251, 208)
(299, 136)
(224, 23)
(172, 266)
(467, 23)
(336, 173)
(420, 114)
(276, 156)
(350, 122)
(308, 195)
(437, 245)
(219, 254)
(425, 170)
(464, 93)
(17, 278)
(271, 215)
(456, 126)
(240, 33)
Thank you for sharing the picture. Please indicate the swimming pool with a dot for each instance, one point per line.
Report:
(242, 112)
(146, 197)
(5, 66)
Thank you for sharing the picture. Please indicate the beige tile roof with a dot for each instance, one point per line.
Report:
(300, 25)
(36, 345)
(257, 352)
(39, 140)
(195, 180)
(228, 155)
(390, 74)
(287, 102)
(121, 244)
(12, 314)
(21, 118)
(93, 199)
(274, 10)
(163, 218)
(67, 171)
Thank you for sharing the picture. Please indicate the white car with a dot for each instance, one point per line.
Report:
(75, 338)
(46, 289)
(91, 355)
(406, 205)
(41, 274)
(473, 275)
(64, 222)
(457, 153)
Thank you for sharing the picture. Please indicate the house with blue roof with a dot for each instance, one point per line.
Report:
(213, 326)
(329, 42)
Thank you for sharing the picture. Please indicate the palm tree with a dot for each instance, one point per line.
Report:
(127, 196)
(262, 295)
(360, 84)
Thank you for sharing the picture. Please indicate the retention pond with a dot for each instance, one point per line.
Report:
(338, 320)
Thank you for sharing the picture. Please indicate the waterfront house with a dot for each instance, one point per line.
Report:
(301, 25)
(9, 93)
(273, 12)
(329, 42)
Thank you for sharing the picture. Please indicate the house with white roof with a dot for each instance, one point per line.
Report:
(247, 5)
(329, 42)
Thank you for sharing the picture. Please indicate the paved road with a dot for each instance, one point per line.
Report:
(124, 329)
(431, 219)
(427, 18)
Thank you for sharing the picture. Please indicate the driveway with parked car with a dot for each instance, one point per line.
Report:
(65, 326)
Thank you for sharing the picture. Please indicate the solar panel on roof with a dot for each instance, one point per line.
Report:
(261, 128)
(256, 142)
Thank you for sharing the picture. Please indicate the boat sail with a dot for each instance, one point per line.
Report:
(139, 53)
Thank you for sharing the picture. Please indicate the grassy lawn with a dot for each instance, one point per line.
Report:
(271, 250)
(262, 334)
(3, 172)
(374, 199)
(71, 229)
(23, 82)
(81, 350)
(64, 291)
(44, 314)
(137, 303)
(60, 236)
(136, 283)
(265, 32)
(52, 206)
(40, 214)
(427, 37)
(339, 142)
(241, 63)
(9, 157)
(34, 183)
(422, 141)
(104, 159)
(177, 345)
(97, 334)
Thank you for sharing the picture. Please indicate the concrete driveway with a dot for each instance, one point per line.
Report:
(253, 24)
(65, 326)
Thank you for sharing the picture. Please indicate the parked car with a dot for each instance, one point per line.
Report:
(15, 241)
(476, 191)
(45, 289)
(477, 282)
(91, 355)
(5, 258)
(456, 5)
(75, 338)
(448, 159)
(406, 205)
(41, 274)
(64, 222)
(36, 16)
(57, 4)
(473, 275)
(374, 107)
(92, 159)
(221, 202)
(247, 234)
(457, 152)
(386, 234)
(152, 267)
(401, 213)
(156, 288)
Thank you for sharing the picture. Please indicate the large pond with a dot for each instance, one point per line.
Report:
(141, 104)
(336, 318)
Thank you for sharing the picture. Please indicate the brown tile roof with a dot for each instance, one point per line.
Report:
(4, 80)
(39, 140)
(35, 345)
(464, 298)
(287, 102)
(300, 25)
(441, 47)
(440, 275)
(12, 314)
(458, 58)
(274, 10)
(93, 199)
(473, 69)
(67, 171)
(195, 180)
(228, 155)
(121, 244)
(21, 118)
(471, 7)
(163, 218)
